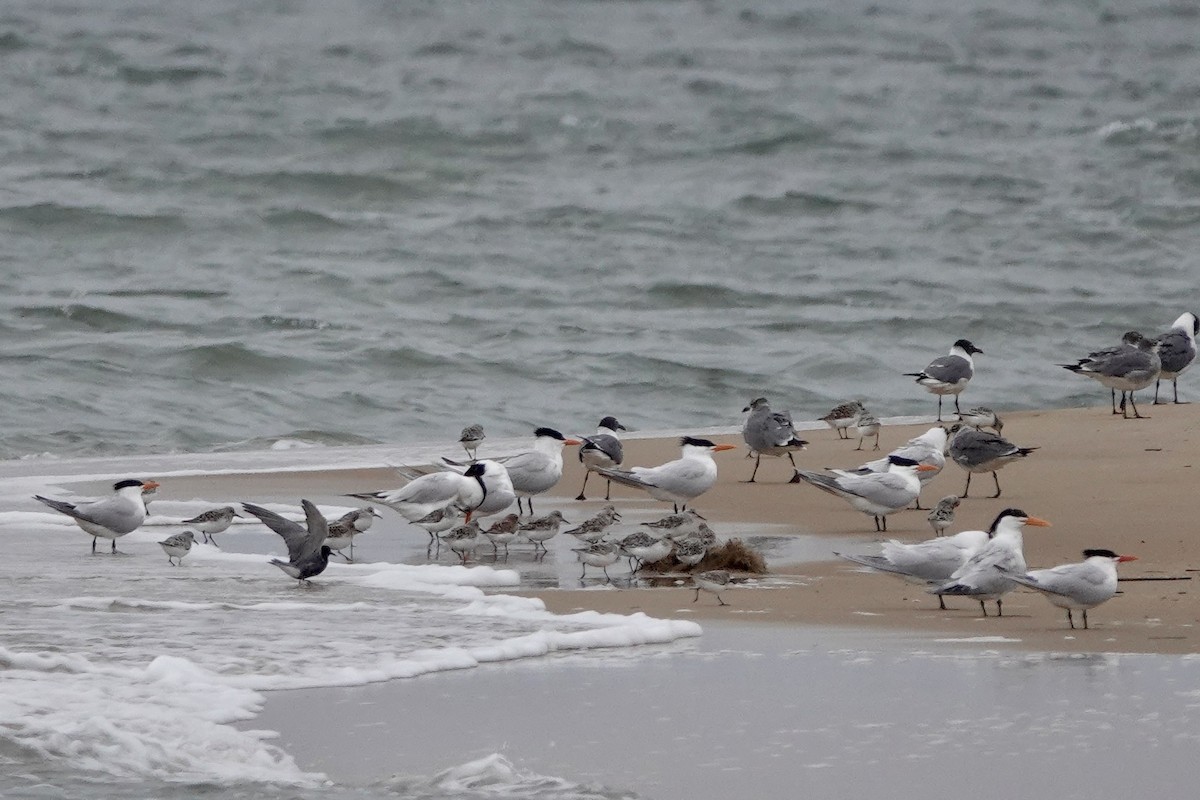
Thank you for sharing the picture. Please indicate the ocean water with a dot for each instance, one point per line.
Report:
(244, 238)
(227, 224)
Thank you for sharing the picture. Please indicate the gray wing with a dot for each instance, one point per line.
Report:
(766, 429)
(1175, 350)
(294, 534)
(605, 443)
(973, 447)
(111, 513)
(1127, 363)
(318, 530)
(886, 489)
(950, 369)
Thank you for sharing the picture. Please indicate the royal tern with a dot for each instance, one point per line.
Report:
(842, 417)
(472, 436)
(981, 417)
(541, 530)
(930, 561)
(603, 449)
(1134, 365)
(769, 433)
(1079, 586)
(177, 546)
(308, 555)
(111, 517)
(982, 451)
(592, 529)
(942, 515)
(1177, 351)
(877, 493)
(929, 448)
(981, 577)
(598, 554)
(866, 426)
(679, 481)
(426, 493)
(949, 374)
(715, 581)
(213, 521)
(537, 470)
(503, 532)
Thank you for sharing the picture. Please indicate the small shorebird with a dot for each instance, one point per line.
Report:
(644, 548)
(463, 540)
(535, 471)
(930, 561)
(109, 518)
(942, 515)
(541, 530)
(472, 436)
(981, 417)
(503, 532)
(177, 546)
(439, 521)
(867, 426)
(213, 521)
(680, 481)
(982, 451)
(1079, 586)
(308, 555)
(985, 574)
(1177, 351)
(769, 433)
(603, 449)
(346, 527)
(676, 525)
(592, 529)
(715, 581)
(690, 551)
(842, 417)
(877, 493)
(949, 374)
(598, 554)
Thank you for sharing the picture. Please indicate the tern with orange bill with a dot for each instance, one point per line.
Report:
(1079, 586)
(679, 481)
(876, 493)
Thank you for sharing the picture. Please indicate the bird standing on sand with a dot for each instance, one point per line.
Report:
(472, 436)
(842, 417)
(769, 433)
(982, 451)
(177, 546)
(985, 575)
(644, 548)
(603, 449)
(942, 515)
(949, 374)
(426, 493)
(1079, 586)
(877, 493)
(598, 554)
(715, 581)
(1177, 351)
(111, 517)
(867, 426)
(930, 561)
(439, 521)
(213, 521)
(929, 448)
(1131, 366)
(592, 529)
(680, 481)
(308, 555)
(981, 417)
(463, 539)
(537, 470)
(503, 532)
(541, 530)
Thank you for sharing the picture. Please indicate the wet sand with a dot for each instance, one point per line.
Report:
(1104, 482)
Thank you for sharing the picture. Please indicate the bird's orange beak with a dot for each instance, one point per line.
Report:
(926, 468)
(1126, 558)
(572, 441)
(150, 486)
(720, 447)
(1038, 522)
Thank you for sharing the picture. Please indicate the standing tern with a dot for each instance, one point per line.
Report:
(982, 451)
(308, 555)
(877, 493)
(985, 575)
(679, 481)
(1132, 366)
(929, 448)
(498, 488)
(1078, 586)
(842, 417)
(769, 433)
(111, 517)
(601, 450)
(1177, 351)
(537, 470)
(427, 493)
(930, 561)
(213, 521)
(949, 374)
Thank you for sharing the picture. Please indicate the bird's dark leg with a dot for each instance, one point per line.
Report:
(1136, 415)
(697, 595)
(1085, 622)
(999, 607)
(939, 419)
(876, 447)
(587, 473)
(94, 545)
(114, 547)
(957, 410)
(1175, 383)
(1124, 413)
(722, 602)
(757, 461)
(884, 519)
(583, 574)
(605, 569)
(1156, 392)
(792, 460)
(1070, 619)
(968, 488)
(996, 478)
(608, 491)
(1114, 400)
(942, 603)
(983, 607)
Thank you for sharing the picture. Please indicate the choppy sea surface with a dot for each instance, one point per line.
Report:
(236, 234)
(227, 224)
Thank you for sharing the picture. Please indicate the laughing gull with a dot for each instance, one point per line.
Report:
(1177, 351)
(1131, 366)
(949, 374)
(982, 451)
(112, 517)
(603, 449)
(769, 433)
(1076, 587)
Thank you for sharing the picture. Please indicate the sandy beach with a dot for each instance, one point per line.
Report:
(1103, 481)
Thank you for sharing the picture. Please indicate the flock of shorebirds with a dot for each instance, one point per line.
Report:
(449, 501)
